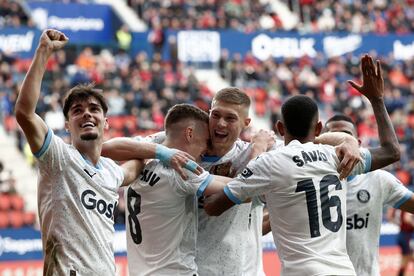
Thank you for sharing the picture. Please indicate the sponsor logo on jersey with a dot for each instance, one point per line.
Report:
(357, 222)
(91, 202)
(88, 173)
(363, 196)
(247, 173)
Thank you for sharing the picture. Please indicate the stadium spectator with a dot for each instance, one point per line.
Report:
(7, 180)
(124, 38)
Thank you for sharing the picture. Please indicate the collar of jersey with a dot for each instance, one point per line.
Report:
(97, 166)
(350, 178)
(210, 158)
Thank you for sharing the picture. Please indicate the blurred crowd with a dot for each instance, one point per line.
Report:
(13, 15)
(270, 82)
(140, 90)
(306, 16)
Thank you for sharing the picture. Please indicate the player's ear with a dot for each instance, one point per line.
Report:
(67, 126)
(318, 128)
(247, 122)
(280, 127)
(106, 124)
(189, 133)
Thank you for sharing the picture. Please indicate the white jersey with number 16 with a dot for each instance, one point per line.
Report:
(307, 206)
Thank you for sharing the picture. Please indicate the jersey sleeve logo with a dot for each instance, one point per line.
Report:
(247, 173)
(88, 173)
(363, 196)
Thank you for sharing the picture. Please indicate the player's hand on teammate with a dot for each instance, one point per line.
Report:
(349, 155)
(372, 81)
(181, 160)
(52, 40)
(266, 138)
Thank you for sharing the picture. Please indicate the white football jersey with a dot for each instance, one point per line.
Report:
(306, 203)
(76, 202)
(367, 195)
(161, 221)
(230, 244)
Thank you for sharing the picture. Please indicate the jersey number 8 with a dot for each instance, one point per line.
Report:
(134, 208)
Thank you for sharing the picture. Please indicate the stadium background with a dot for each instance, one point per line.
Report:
(149, 55)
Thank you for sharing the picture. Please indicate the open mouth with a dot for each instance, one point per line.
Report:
(220, 134)
(87, 124)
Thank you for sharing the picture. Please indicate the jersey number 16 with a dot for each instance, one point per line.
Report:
(327, 202)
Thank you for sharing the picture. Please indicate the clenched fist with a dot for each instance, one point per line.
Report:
(52, 40)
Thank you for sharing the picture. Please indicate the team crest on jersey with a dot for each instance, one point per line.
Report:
(247, 173)
(363, 196)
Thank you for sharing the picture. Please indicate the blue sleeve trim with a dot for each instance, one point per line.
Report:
(230, 195)
(45, 145)
(204, 185)
(403, 200)
(368, 161)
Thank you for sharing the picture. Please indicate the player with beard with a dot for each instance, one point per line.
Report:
(78, 189)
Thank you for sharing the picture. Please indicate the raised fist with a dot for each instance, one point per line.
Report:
(53, 40)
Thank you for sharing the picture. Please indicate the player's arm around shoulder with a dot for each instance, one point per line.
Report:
(123, 148)
(132, 169)
(33, 126)
(253, 181)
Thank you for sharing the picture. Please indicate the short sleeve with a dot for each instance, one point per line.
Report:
(363, 166)
(395, 193)
(194, 185)
(53, 153)
(157, 138)
(255, 180)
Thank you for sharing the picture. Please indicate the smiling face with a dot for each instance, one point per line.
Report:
(86, 120)
(226, 123)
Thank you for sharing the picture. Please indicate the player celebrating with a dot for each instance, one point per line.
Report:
(303, 176)
(230, 244)
(77, 191)
(367, 195)
(162, 207)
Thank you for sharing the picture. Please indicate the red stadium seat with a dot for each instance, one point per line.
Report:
(16, 219)
(119, 122)
(4, 220)
(17, 202)
(29, 218)
(5, 202)
(10, 123)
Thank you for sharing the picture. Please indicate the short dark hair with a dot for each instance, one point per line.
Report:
(82, 92)
(181, 112)
(232, 95)
(340, 117)
(298, 112)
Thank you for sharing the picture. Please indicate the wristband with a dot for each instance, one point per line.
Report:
(191, 165)
(164, 154)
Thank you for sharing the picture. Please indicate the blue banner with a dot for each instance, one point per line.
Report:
(26, 243)
(83, 24)
(20, 42)
(203, 46)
